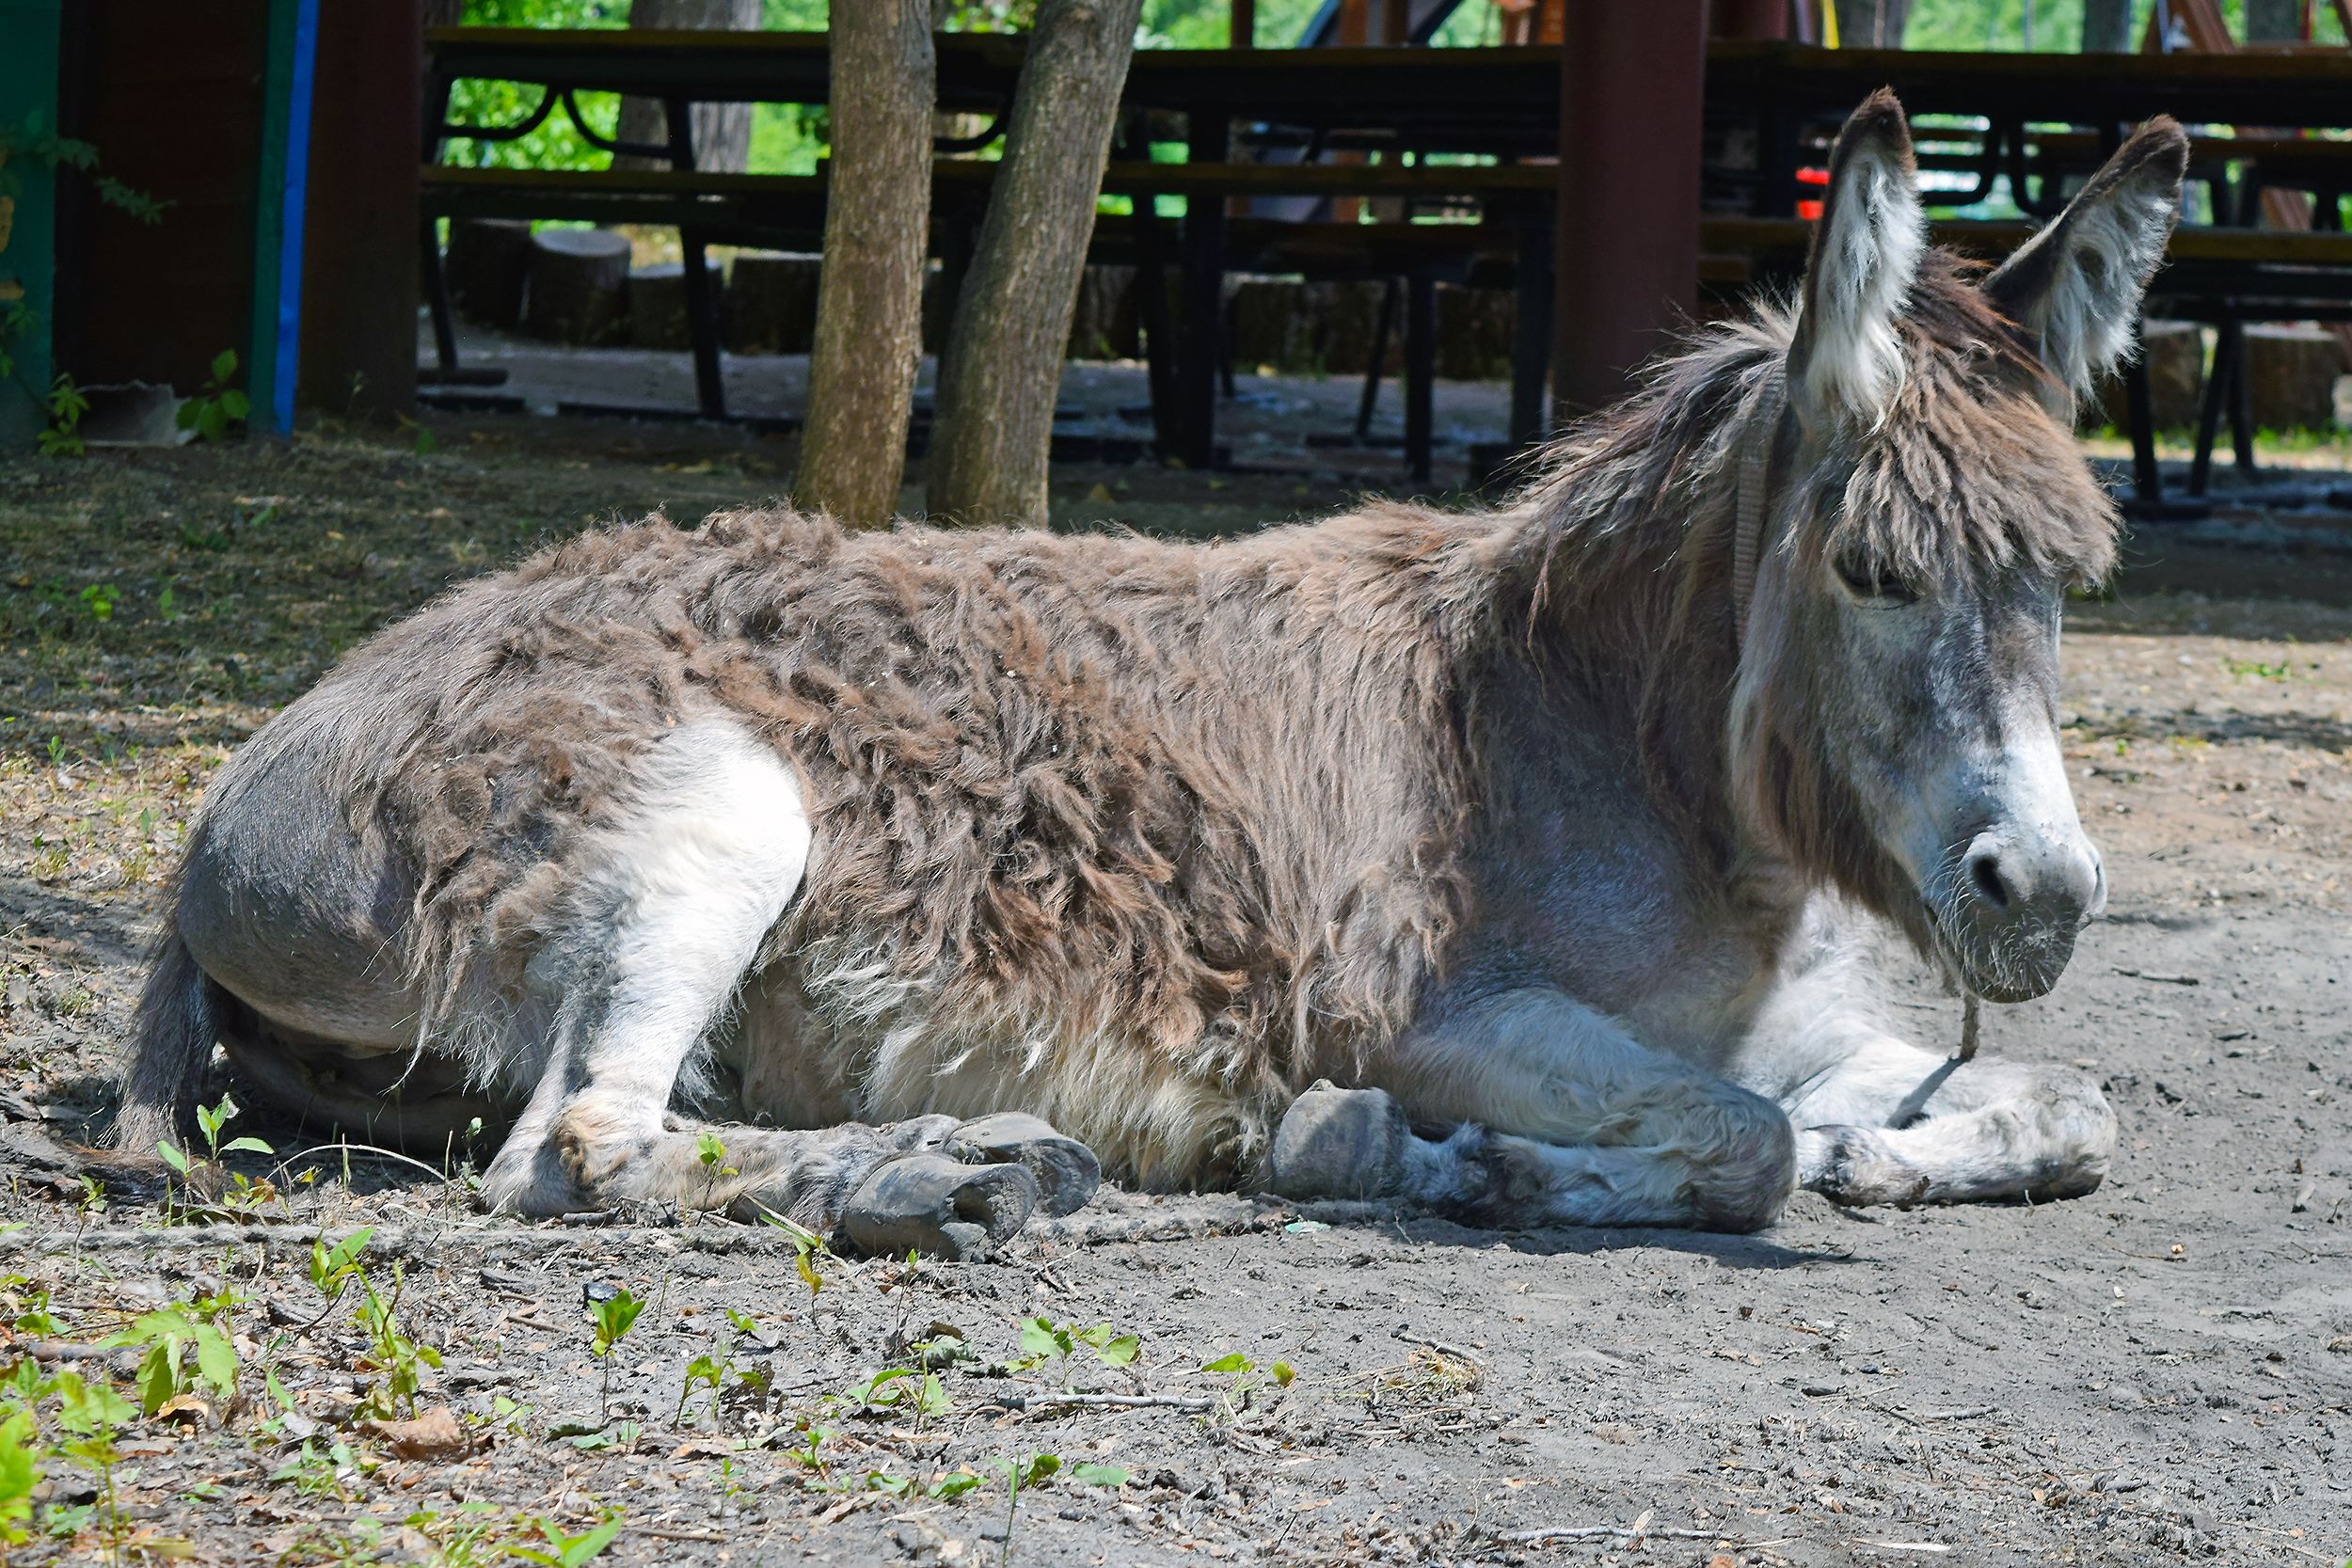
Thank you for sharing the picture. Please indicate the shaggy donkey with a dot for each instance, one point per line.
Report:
(1555, 836)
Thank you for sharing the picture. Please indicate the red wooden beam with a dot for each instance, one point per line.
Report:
(1632, 84)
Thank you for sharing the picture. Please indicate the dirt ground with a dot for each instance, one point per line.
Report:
(2161, 1371)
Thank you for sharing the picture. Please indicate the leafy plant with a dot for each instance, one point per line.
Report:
(20, 1472)
(1248, 1378)
(66, 405)
(212, 411)
(569, 1551)
(187, 1352)
(399, 1357)
(614, 1315)
(1041, 1338)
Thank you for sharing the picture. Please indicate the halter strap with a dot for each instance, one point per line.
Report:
(1751, 497)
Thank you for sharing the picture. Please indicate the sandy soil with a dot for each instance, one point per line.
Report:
(2160, 1372)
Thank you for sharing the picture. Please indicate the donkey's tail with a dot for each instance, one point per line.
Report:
(171, 1043)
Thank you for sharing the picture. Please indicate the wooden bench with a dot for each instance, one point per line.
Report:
(787, 212)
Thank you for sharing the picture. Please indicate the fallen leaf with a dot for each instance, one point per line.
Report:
(436, 1435)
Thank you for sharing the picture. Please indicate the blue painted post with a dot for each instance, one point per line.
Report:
(279, 206)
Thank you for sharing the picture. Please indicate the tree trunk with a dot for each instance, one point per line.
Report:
(2107, 27)
(1003, 366)
(870, 294)
(723, 132)
(1872, 23)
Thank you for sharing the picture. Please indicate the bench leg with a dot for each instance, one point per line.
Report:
(1204, 295)
(1531, 337)
(1369, 402)
(1420, 369)
(1159, 329)
(702, 319)
(2208, 414)
(2141, 409)
(2241, 404)
(436, 297)
(702, 301)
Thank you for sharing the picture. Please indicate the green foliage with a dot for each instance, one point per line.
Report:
(63, 435)
(219, 407)
(20, 1472)
(569, 1551)
(1041, 1339)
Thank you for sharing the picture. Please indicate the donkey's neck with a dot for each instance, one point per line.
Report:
(1626, 555)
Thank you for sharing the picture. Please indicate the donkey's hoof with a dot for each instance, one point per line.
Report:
(1338, 1143)
(1066, 1170)
(1854, 1169)
(937, 1206)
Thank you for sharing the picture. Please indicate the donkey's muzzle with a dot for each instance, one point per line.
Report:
(2018, 906)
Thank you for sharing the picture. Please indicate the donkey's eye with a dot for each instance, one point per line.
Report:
(1868, 580)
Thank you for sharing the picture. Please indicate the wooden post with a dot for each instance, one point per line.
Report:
(28, 90)
(1752, 19)
(1243, 32)
(358, 348)
(1631, 84)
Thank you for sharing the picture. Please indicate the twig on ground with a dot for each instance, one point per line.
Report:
(1968, 1412)
(1114, 1401)
(2159, 980)
(1611, 1532)
(1438, 1345)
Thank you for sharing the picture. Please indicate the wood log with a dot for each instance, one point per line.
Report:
(488, 265)
(2291, 375)
(657, 307)
(771, 302)
(579, 282)
(2175, 356)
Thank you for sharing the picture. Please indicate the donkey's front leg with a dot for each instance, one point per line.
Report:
(1885, 1121)
(1559, 1117)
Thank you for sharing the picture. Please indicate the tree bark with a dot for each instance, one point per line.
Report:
(870, 294)
(1872, 23)
(723, 132)
(1003, 367)
(2107, 27)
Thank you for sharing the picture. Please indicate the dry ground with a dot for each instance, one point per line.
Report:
(2159, 1371)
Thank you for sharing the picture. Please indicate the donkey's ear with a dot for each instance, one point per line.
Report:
(2074, 287)
(1846, 361)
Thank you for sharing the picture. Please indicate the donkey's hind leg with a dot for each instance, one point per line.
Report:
(669, 918)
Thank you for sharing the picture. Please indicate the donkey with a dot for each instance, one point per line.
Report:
(1531, 863)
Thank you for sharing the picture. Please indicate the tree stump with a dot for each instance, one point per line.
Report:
(488, 265)
(771, 302)
(1269, 324)
(2175, 356)
(579, 280)
(2291, 375)
(657, 307)
(1107, 325)
(1474, 331)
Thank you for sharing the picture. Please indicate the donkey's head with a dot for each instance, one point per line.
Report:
(1898, 697)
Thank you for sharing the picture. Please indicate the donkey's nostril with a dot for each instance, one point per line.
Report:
(1985, 868)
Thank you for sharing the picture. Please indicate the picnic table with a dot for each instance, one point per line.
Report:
(1417, 105)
